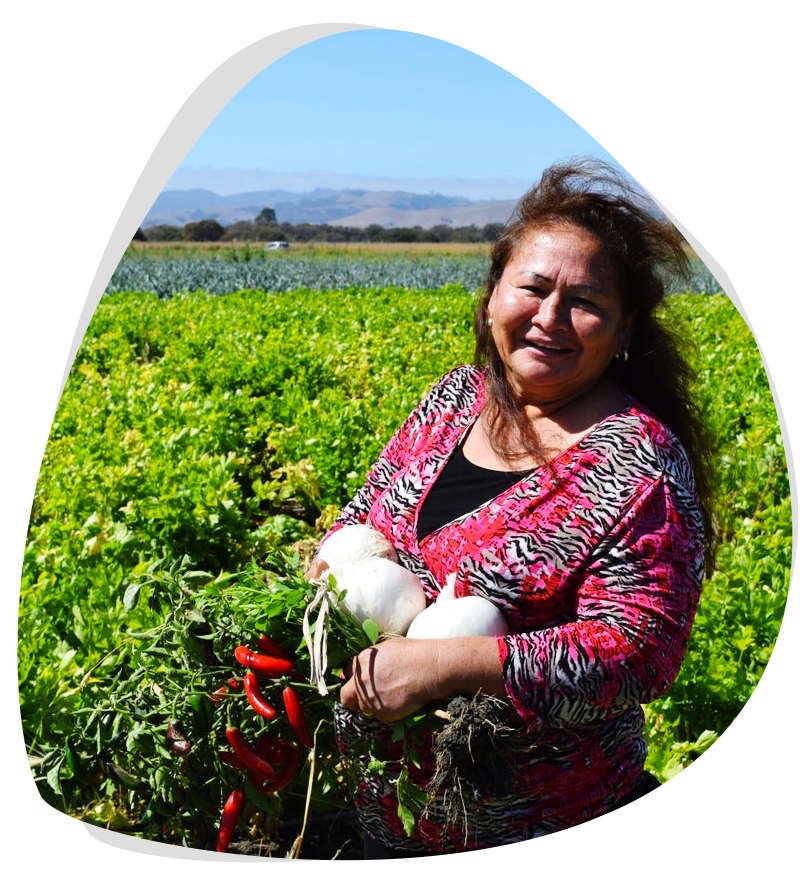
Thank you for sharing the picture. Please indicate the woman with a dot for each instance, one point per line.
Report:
(565, 477)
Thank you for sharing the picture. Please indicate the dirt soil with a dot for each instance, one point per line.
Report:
(331, 837)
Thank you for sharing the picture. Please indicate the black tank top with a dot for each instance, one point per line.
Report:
(460, 488)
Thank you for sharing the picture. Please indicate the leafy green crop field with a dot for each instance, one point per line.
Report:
(237, 268)
(208, 434)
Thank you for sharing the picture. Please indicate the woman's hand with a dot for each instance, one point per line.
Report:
(399, 676)
(390, 680)
(316, 568)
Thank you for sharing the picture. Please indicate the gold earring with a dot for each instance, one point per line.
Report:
(489, 322)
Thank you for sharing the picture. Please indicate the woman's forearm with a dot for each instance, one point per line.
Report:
(466, 665)
(400, 676)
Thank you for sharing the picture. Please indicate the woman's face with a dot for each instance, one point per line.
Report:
(557, 318)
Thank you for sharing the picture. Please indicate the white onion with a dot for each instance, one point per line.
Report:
(381, 590)
(450, 616)
(353, 543)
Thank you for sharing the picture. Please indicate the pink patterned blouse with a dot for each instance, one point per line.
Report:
(598, 570)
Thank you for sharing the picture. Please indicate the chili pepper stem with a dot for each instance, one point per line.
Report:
(294, 851)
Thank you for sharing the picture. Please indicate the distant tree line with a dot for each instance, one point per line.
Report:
(265, 228)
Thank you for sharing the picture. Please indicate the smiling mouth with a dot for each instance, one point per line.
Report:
(547, 348)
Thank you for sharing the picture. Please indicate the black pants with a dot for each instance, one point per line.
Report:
(618, 833)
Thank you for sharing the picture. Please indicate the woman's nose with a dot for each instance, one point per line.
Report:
(551, 313)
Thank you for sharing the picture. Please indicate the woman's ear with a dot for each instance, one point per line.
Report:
(490, 305)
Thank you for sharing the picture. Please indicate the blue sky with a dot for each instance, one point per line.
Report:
(674, 105)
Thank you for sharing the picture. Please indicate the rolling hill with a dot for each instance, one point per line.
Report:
(358, 208)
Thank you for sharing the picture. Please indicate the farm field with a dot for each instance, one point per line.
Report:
(205, 439)
(218, 269)
(315, 248)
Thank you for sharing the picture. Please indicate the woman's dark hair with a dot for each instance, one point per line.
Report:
(648, 252)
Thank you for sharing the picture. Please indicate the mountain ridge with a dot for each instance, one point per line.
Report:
(338, 207)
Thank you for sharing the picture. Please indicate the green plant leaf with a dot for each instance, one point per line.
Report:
(131, 596)
(371, 630)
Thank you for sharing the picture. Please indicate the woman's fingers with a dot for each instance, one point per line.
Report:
(359, 692)
(316, 568)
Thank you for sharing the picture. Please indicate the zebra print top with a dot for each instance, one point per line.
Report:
(598, 570)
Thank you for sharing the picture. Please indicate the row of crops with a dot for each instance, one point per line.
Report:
(233, 271)
(202, 444)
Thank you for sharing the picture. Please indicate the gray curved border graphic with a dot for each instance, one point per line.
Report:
(726, 283)
(135, 845)
(205, 103)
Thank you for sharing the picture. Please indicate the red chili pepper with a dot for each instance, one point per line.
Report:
(216, 696)
(251, 760)
(232, 760)
(256, 698)
(297, 720)
(274, 751)
(269, 647)
(265, 747)
(231, 813)
(264, 664)
(287, 771)
(278, 752)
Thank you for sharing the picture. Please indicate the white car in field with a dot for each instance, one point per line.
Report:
(277, 245)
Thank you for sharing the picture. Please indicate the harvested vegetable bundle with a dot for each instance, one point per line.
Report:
(158, 710)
